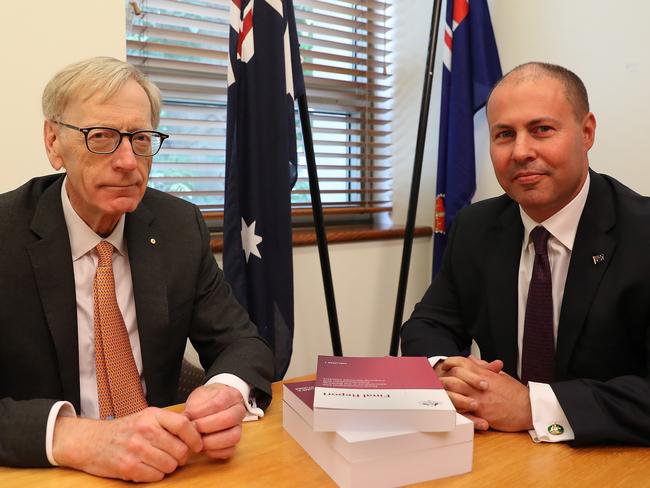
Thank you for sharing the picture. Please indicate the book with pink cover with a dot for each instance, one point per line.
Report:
(378, 458)
(380, 393)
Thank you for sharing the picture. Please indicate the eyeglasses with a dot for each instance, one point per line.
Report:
(105, 140)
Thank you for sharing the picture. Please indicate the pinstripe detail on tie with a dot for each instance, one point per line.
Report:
(119, 390)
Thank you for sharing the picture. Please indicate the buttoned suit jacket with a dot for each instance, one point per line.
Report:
(603, 341)
(179, 293)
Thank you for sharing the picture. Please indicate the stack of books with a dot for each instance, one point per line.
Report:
(380, 421)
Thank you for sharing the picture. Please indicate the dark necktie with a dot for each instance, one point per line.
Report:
(538, 355)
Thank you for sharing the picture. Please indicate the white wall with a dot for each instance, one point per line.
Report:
(37, 39)
(600, 41)
(365, 274)
(365, 284)
(604, 43)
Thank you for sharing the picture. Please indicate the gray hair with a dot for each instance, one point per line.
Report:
(86, 78)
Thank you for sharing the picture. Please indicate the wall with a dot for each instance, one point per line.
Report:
(365, 274)
(38, 39)
(604, 43)
(365, 284)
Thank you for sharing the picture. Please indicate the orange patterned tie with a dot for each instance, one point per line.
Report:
(118, 383)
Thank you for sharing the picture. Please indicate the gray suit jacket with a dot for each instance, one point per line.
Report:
(179, 292)
(603, 345)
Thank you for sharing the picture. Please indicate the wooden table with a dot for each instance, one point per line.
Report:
(268, 456)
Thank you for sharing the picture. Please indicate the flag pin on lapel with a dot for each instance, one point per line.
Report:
(598, 258)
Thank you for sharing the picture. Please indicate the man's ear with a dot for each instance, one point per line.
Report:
(589, 130)
(52, 144)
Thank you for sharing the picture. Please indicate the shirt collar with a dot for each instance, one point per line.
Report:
(82, 237)
(564, 224)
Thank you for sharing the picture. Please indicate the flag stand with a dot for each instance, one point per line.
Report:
(415, 181)
(317, 210)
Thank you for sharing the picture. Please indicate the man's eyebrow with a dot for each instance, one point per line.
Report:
(541, 120)
(536, 121)
(500, 126)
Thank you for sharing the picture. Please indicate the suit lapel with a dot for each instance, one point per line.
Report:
(504, 243)
(150, 294)
(51, 260)
(584, 275)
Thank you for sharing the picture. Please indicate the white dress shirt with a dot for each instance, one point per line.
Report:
(562, 226)
(84, 260)
(546, 409)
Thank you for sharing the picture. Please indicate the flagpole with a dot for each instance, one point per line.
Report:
(415, 181)
(321, 237)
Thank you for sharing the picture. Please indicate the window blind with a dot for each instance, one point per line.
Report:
(183, 47)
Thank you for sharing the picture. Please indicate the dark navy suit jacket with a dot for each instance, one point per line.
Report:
(603, 344)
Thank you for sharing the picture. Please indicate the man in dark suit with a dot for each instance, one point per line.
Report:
(163, 286)
(567, 313)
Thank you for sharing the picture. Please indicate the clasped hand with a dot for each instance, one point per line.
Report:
(149, 444)
(485, 394)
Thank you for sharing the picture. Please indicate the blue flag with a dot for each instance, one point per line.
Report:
(471, 68)
(264, 77)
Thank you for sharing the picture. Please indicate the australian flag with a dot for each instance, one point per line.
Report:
(471, 68)
(264, 78)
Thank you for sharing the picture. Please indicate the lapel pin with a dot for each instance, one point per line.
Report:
(153, 241)
(598, 258)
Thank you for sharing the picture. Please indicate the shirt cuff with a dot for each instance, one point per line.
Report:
(549, 422)
(433, 360)
(64, 409)
(244, 388)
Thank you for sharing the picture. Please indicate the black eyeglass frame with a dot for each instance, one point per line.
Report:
(86, 130)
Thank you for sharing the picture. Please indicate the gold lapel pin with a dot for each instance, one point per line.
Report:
(152, 240)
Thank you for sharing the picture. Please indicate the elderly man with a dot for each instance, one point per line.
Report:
(102, 282)
(552, 280)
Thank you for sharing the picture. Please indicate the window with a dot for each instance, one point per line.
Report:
(183, 46)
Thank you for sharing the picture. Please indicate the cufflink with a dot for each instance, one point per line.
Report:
(555, 429)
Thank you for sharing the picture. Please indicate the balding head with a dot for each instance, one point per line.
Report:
(574, 88)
